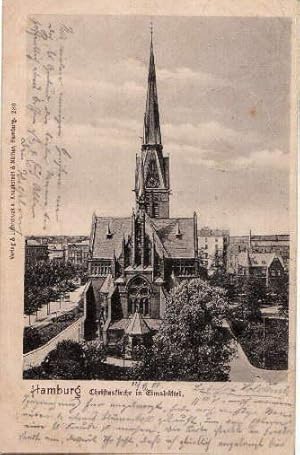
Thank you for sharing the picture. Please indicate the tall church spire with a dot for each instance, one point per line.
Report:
(152, 182)
(151, 122)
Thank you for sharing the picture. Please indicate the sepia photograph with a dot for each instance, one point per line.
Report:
(153, 198)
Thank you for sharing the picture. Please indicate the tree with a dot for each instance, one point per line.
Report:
(222, 279)
(31, 339)
(191, 343)
(72, 360)
(30, 304)
(95, 354)
(252, 294)
(44, 281)
(280, 295)
(66, 361)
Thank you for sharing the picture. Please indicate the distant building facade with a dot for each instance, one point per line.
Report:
(57, 252)
(77, 253)
(212, 247)
(60, 249)
(267, 267)
(35, 252)
(278, 244)
(135, 260)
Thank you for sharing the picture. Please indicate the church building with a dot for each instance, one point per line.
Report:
(134, 261)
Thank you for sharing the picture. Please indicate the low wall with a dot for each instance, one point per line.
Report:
(35, 357)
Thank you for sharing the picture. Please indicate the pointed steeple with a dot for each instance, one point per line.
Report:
(152, 179)
(151, 120)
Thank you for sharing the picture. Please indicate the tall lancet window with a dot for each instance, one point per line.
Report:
(139, 296)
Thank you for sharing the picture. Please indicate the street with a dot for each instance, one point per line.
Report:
(56, 308)
(243, 371)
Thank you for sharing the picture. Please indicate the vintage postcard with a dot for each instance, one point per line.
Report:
(148, 236)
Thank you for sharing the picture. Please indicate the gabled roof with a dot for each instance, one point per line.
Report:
(137, 326)
(105, 246)
(261, 259)
(246, 259)
(264, 259)
(122, 324)
(108, 236)
(176, 246)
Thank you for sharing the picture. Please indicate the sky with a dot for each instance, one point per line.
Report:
(223, 88)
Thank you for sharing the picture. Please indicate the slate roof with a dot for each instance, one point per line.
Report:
(246, 259)
(104, 246)
(264, 259)
(137, 326)
(176, 246)
(122, 324)
(165, 232)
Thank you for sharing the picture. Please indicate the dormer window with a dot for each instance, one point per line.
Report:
(108, 232)
(178, 231)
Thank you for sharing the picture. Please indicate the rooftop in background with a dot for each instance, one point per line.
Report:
(207, 232)
(80, 243)
(33, 242)
(262, 237)
(246, 259)
(271, 238)
(56, 239)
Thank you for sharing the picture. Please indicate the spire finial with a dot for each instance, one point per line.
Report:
(152, 134)
(151, 30)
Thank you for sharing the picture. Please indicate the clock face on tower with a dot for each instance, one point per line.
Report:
(152, 182)
(152, 179)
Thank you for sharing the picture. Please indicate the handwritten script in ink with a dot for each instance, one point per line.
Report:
(203, 418)
(44, 155)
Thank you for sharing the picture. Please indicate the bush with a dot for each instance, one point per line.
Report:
(34, 373)
(95, 354)
(238, 326)
(65, 362)
(72, 360)
(265, 347)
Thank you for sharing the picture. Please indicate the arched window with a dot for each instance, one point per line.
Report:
(139, 296)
